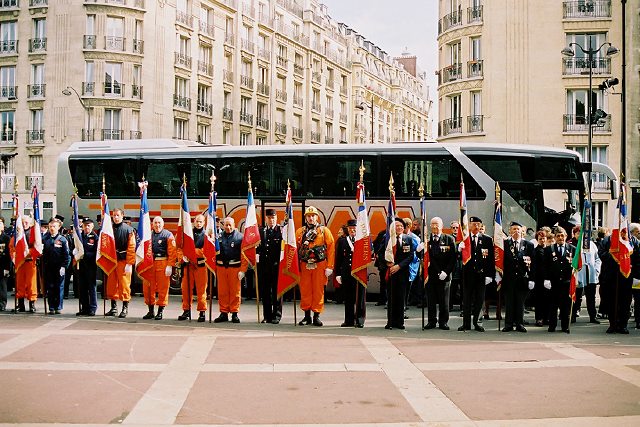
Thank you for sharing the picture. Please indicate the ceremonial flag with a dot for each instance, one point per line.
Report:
(362, 247)
(251, 236)
(106, 257)
(576, 262)
(77, 240)
(19, 237)
(463, 231)
(36, 236)
(390, 237)
(289, 268)
(144, 254)
(621, 249)
(498, 237)
(184, 239)
(211, 245)
(425, 238)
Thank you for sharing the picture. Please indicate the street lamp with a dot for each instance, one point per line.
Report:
(68, 91)
(590, 52)
(362, 106)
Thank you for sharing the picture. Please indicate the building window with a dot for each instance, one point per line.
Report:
(113, 78)
(114, 39)
(576, 118)
(8, 82)
(598, 213)
(226, 136)
(245, 138)
(112, 125)
(261, 140)
(598, 154)
(47, 209)
(8, 42)
(204, 133)
(7, 136)
(37, 87)
(180, 129)
(35, 165)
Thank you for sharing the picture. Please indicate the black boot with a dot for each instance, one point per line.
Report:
(32, 306)
(234, 318)
(306, 320)
(114, 309)
(186, 314)
(150, 314)
(224, 317)
(201, 317)
(316, 319)
(20, 308)
(125, 309)
(159, 315)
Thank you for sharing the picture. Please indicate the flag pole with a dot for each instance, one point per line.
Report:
(75, 211)
(210, 274)
(104, 276)
(361, 170)
(615, 301)
(498, 286)
(16, 208)
(180, 261)
(295, 301)
(389, 290)
(255, 267)
(426, 248)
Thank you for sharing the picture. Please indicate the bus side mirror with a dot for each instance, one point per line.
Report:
(613, 188)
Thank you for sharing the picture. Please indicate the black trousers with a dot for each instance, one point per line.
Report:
(589, 292)
(438, 293)
(268, 287)
(559, 300)
(515, 292)
(382, 297)
(354, 301)
(473, 289)
(86, 274)
(397, 292)
(542, 297)
(619, 313)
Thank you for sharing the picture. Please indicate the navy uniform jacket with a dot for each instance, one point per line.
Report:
(270, 246)
(559, 268)
(121, 233)
(5, 258)
(405, 254)
(159, 243)
(442, 255)
(515, 268)
(55, 253)
(230, 244)
(482, 262)
(90, 245)
(344, 254)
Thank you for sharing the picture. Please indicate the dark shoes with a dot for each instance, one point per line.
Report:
(596, 321)
(224, 317)
(540, 323)
(462, 329)
(201, 317)
(32, 307)
(306, 320)
(346, 324)
(275, 321)
(507, 329)
(186, 314)
(359, 325)
(235, 318)
(478, 328)
(429, 325)
(114, 309)
(316, 319)
(566, 331)
(150, 314)
(125, 309)
(445, 327)
(159, 314)
(521, 328)
(611, 330)
(623, 331)
(551, 329)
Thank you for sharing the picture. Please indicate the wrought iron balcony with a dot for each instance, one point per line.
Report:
(474, 124)
(9, 4)
(578, 123)
(474, 15)
(205, 108)
(112, 134)
(113, 89)
(227, 114)
(184, 19)
(38, 3)
(8, 93)
(247, 46)
(262, 123)
(281, 128)
(281, 61)
(264, 54)
(330, 83)
(298, 102)
(451, 73)
(246, 82)
(263, 89)
(89, 42)
(315, 137)
(38, 45)
(88, 88)
(586, 9)
(229, 39)
(182, 60)
(298, 133)
(35, 137)
(316, 77)
(8, 137)
(8, 183)
(8, 46)
(315, 106)
(449, 126)
(227, 76)
(328, 140)
(136, 91)
(88, 134)
(474, 68)
(205, 68)
(343, 117)
(451, 20)
(207, 29)
(181, 102)
(114, 43)
(329, 112)
(135, 134)
(580, 66)
(298, 69)
(281, 95)
(36, 90)
(31, 181)
(246, 118)
(138, 46)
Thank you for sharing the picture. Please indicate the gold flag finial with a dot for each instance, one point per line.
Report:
(391, 183)
(497, 191)
(104, 185)
(249, 180)
(184, 179)
(213, 178)
(361, 169)
(421, 190)
(288, 184)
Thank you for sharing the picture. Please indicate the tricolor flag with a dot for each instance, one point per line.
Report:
(390, 237)
(426, 261)
(21, 248)
(498, 237)
(211, 245)
(106, 257)
(463, 231)
(621, 249)
(576, 262)
(36, 236)
(362, 247)
(77, 240)
(251, 237)
(289, 268)
(144, 254)
(184, 238)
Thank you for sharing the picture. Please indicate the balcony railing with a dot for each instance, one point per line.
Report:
(264, 54)
(449, 126)
(207, 29)
(227, 114)
(298, 69)
(9, 92)
(229, 39)
(328, 140)
(89, 42)
(282, 61)
(246, 82)
(474, 68)
(474, 124)
(113, 89)
(138, 46)
(8, 4)
(205, 68)
(263, 89)
(298, 102)
(114, 43)
(587, 9)
(136, 91)
(38, 45)
(343, 117)
(330, 83)
(181, 102)
(451, 20)
(36, 90)
(281, 95)
(184, 18)
(203, 107)
(451, 73)
(135, 134)
(247, 45)
(109, 134)
(246, 118)
(315, 106)
(315, 137)
(88, 135)
(35, 136)
(248, 10)
(316, 77)
(227, 76)
(262, 122)
(329, 112)
(265, 19)
(474, 15)
(8, 183)
(578, 123)
(580, 66)
(298, 133)
(182, 60)
(38, 3)
(281, 128)
(8, 137)
(31, 181)
(88, 88)
(8, 46)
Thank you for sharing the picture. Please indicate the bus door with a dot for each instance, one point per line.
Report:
(523, 203)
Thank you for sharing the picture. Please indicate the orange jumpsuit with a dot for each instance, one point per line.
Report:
(312, 274)
(195, 275)
(119, 282)
(164, 255)
(27, 273)
(230, 261)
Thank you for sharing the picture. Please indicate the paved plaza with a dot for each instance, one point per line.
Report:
(66, 370)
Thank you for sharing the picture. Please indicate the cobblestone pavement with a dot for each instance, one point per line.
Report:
(68, 370)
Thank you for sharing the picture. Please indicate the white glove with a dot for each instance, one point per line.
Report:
(420, 247)
(257, 258)
(339, 279)
(498, 277)
(487, 280)
(74, 251)
(635, 283)
(461, 246)
(168, 271)
(547, 284)
(442, 275)
(128, 268)
(328, 272)
(62, 270)
(240, 275)
(6, 273)
(185, 259)
(531, 284)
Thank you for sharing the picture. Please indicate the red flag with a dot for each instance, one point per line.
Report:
(362, 247)
(184, 239)
(621, 249)
(106, 257)
(463, 231)
(289, 268)
(144, 251)
(211, 245)
(21, 248)
(251, 236)
(498, 237)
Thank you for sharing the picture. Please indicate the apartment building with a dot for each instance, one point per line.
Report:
(502, 78)
(213, 71)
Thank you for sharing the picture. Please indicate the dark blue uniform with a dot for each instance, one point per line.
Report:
(55, 256)
(353, 291)
(87, 274)
(268, 267)
(475, 271)
(559, 271)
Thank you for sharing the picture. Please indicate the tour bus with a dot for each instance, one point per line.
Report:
(539, 185)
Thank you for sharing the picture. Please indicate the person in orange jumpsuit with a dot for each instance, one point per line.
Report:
(194, 274)
(317, 253)
(163, 245)
(27, 273)
(231, 270)
(119, 281)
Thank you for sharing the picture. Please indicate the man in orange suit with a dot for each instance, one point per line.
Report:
(119, 281)
(195, 275)
(231, 270)
(163, 245)
(27, 273)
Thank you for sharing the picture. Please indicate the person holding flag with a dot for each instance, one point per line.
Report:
(119, 279)
(268, 260)
(362, 252)
(87, 271)
(24, 258)
(559, 271)
(289, 266)
(55, 261)
(441, 255)
(196, 275)
(231, 267)
(250, 243)
(156, 286)
(353, 290)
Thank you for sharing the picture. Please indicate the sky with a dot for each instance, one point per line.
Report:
(412, 27)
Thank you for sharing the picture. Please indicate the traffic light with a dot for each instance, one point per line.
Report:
(608, 83)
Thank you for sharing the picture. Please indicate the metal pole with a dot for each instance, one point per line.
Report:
(372, 139)
(623, 142)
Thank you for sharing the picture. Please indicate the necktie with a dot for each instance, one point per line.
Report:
(561, 250)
